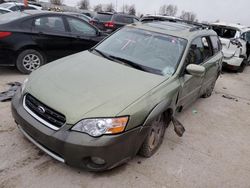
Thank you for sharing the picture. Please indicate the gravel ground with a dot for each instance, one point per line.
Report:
(214, 151)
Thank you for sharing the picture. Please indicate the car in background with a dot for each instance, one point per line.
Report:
(99, 108)
(234, 45)
(29, 39)
(150, 18)
(79, 15)
(19, 6)
(109, 21)
(4, 10)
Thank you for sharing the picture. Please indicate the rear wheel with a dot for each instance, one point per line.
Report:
(29, 60)
(155, 136)
(242, 66)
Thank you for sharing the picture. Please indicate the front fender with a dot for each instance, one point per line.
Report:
(158, 109)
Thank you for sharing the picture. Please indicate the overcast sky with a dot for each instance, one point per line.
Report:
(235, 11)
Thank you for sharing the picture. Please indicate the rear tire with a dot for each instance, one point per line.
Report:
(29, 60)
(242, 66)
(155, 135)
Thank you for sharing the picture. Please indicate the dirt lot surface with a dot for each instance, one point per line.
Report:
(214, 152)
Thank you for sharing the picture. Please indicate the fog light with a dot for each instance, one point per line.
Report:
(98, 160)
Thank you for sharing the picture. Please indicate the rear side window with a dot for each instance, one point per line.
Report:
(216, 44)
(53, 23)
(80, 27)
(123, 19)
(103, 17)
(225, 32)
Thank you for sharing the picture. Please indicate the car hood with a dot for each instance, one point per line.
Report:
(85, 83)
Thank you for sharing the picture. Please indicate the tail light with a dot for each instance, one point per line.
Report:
(109, 24)
(4, 34)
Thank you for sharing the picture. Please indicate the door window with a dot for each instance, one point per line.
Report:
(199, 51)
(80, 27)
(51, 23)
(207, 48)
(216, 44)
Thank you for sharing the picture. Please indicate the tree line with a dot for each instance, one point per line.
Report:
(166, 9)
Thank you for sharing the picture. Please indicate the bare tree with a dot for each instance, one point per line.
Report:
(56, 2)
(84, 4)
(109, 8)
(98, 8)
(125, 8)
(189, 16)
(132, 10)
(129, 9)
(169, 10)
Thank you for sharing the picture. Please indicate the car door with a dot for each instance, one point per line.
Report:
(84, 36)
(212, 59)
(50, 35)
(191, 85)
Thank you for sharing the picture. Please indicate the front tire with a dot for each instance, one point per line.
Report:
(29, 60)
(155, 136)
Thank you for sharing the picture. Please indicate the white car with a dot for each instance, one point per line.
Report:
(19, 6)
(234, 45)
(4, 10)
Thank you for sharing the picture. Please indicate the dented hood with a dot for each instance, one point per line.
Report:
(84, 83)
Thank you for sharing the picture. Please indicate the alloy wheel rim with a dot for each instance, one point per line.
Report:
(31, 62)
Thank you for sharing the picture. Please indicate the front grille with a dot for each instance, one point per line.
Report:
(44, 112)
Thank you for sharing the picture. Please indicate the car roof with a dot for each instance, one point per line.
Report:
(116, 13)
(182, 30)
(5, 9)
(230, 25)
(161, 16)
(14, 3)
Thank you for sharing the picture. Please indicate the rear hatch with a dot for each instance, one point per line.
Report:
(100, 19)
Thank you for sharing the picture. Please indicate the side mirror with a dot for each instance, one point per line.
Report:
(196, 70)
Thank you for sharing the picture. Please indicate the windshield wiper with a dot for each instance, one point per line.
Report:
(130, 63)
(102, 54)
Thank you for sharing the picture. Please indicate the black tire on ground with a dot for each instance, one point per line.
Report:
(155, 135)
(29, 60)
(242, 66)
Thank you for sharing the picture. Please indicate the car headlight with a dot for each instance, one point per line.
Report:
(24, 85)
(100, 126)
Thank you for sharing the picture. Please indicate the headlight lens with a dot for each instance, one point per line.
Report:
(100, 126)
(24, 85)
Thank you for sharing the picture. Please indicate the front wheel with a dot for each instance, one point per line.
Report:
(29, 60)
(155, 136)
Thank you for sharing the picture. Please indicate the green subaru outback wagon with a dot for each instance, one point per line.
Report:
(99, 108)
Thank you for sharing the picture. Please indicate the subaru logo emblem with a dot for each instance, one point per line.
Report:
(41, 109)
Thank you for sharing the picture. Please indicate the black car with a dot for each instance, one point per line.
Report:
(31, 38)
(109, 21)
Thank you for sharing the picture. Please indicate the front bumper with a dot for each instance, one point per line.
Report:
(232, 63)
(74, 148)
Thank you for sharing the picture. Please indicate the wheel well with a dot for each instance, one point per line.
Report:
(33, 47)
